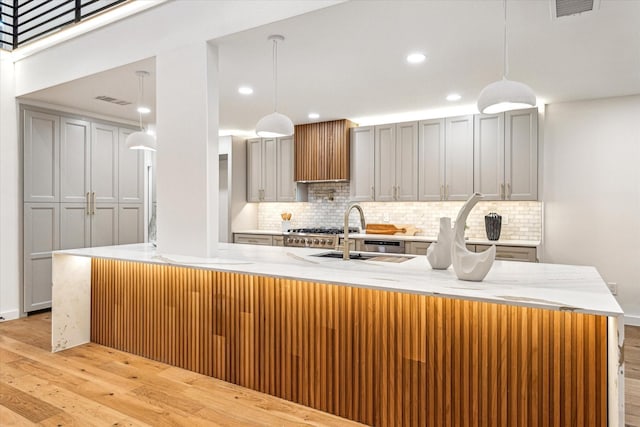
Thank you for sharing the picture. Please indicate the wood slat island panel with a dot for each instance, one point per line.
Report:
(381, 358)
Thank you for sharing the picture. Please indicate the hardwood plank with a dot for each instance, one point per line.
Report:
(25, 405)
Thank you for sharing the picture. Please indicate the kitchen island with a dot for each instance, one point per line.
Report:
(382, 343)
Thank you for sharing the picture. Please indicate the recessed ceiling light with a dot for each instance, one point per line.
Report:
(314, 116)
(416, 58)
(143, 110)
(453, 97)
(245, 90)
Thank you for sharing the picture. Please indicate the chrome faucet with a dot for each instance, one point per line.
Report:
(345, 241)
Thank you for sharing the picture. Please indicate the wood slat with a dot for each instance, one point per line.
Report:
(322, 151)
(380, 358)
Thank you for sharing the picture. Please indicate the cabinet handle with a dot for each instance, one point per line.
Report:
(442, 192)
(373, 193)
(502, 191)
(93, 195)
(88, 204)
(446, 192)
(509, 191)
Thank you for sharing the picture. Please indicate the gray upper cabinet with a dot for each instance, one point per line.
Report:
(286, 186)
(431, 149)
(506, 155)
(104, 163)
(458, 183)
(362, 164)
(396, 162)
(254, 170)
(130, 165)
(41, 157)
(75, 145)
(488, 145)
(521, 154)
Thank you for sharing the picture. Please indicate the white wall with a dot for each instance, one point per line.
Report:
(591, 182)
(10, 196)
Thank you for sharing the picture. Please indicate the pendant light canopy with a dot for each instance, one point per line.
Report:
(275, 124)
(141, 140)
(505, 95)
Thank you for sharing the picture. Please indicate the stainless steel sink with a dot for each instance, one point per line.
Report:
(380, 257)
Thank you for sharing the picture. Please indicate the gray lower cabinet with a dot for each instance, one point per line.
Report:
(130, 223)
(253, 239)
(41, 237)
(512, 253)
(416, 248)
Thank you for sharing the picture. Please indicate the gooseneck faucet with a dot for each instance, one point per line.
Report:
(350, 207)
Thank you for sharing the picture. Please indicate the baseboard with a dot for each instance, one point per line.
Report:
(631, 320)
(9, 315)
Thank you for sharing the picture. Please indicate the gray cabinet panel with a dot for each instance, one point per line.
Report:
(130, 223)
(488, 154)
(269, 169)
(75, 231)
(41, 222)
(521, 152)
(286, 191)
(104, 225)
(406, 161)
(254, 170)
(459, 158)
(385, 162)
(431, 149)
(104, 163)
(41, 157)
(130, 171)
(362, 164)
(75, 143)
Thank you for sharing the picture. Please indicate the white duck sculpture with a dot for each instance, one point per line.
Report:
(466, 264)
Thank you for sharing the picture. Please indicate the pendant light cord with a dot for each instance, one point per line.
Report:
(275, 75)
(505, 53)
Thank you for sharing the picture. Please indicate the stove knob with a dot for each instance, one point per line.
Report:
(321, 241)
(316, 241)
(290, 240)
(296, 240)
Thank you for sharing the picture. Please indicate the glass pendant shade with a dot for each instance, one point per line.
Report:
(505, 95)
(274, 125)
(141, 141)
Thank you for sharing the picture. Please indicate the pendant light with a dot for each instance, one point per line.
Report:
(141, 140)
(505, 95)
(275, 124)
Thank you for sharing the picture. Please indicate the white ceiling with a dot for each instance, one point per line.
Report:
(348, 61)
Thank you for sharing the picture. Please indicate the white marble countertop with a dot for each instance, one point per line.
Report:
(524, 243)
(550, 286)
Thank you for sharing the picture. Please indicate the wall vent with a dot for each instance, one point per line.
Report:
(112, 100)
(564, 8)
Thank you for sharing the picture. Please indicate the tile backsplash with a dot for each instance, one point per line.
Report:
(327, 202)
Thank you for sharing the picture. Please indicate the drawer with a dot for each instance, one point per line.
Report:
(416, 248)
(277, 240)
(512, 253)
(253, 239)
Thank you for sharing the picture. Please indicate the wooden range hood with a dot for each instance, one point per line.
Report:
(322, 151)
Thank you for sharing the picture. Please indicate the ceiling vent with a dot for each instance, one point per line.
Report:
(112, 100)
(564, 8)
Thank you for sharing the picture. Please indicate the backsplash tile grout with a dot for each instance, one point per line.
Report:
(524, 218)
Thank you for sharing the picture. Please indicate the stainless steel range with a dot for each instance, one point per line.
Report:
(315, 237)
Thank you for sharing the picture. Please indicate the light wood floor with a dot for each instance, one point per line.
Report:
(95, 385)
(92, 385)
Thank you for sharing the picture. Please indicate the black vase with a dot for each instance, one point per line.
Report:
(492, 225)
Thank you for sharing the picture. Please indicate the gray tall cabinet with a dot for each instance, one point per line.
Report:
(82, 188)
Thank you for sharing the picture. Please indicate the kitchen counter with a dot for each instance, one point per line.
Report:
(371, 341)
(550, 286)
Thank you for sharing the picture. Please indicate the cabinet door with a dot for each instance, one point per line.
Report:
(458, 158)
(362, 164)
(253, 239)
(75, 142)
(104, 225)
(130, 223)
(417, 248)
(269, 169)
(254, 170)
(431, 159)
(488, 156)
(286, 188)
(104, 163)
(75, 230)
(385, 162)
(406, 161)
(130, 170)
(41, 157)
(521, 152)
(41, 237)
